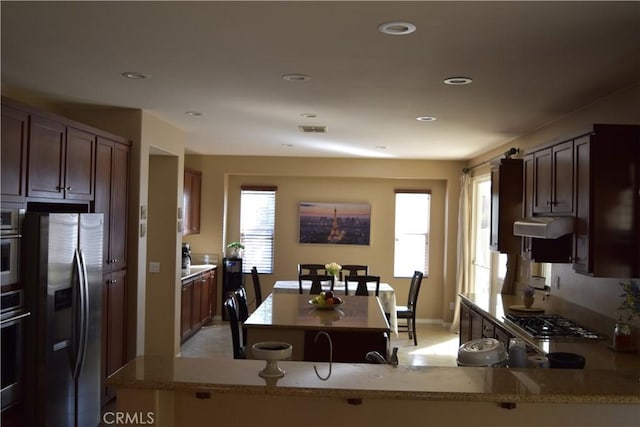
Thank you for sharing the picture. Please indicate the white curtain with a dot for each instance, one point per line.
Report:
(464, 244)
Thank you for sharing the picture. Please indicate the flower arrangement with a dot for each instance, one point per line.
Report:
(631, 302)
(235, 245)
(333, 268)
(528, 291)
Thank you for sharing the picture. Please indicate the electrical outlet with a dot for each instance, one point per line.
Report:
(154, 267)
(452, 306)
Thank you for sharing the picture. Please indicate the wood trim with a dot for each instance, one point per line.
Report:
(259, 187)
(414, 191)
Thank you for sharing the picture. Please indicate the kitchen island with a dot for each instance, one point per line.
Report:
(194, 392)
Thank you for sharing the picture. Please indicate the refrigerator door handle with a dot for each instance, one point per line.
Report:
(85, 307)
(81, 321)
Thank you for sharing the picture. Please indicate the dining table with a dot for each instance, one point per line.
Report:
(355, 327)
(386, 294)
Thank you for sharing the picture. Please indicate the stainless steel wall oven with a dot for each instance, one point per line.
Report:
(12, 325)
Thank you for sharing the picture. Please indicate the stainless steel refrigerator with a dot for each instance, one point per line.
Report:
(62, 268)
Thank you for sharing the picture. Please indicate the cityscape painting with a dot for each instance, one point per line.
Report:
(335, 223)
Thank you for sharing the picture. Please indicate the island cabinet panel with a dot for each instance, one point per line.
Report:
(13, 144)
(506, 204)
(475, 325)
(191, 201)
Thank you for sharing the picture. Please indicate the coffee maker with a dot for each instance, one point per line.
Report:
(186, 256)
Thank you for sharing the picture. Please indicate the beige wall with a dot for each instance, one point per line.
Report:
(340, 180)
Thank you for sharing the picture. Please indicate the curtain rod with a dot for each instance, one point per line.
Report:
(507, 154)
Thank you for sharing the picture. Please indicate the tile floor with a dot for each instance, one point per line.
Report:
(436, 345)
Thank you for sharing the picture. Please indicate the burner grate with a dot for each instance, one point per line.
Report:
(552, 327)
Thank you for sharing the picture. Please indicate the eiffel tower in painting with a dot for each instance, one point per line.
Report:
(336, 234)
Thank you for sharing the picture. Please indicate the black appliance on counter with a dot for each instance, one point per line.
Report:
(63, 287)
(551, 327)
(186, 256)
(232, 279)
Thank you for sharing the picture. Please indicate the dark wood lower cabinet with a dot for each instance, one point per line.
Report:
(114, 326)
(197, 303)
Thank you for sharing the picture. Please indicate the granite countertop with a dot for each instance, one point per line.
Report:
(597, 353)
(196, 269)
(371, 381)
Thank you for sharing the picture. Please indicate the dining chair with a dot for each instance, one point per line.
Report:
(316, 282)
(311, 269)
(231, 306)
(361, 283)
(242, 307)
(257, 290)
(353, 270)
(408, 312)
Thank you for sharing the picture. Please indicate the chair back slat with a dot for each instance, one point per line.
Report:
(361, 284)
(316, 282)
(354, 270)
(257, 290)
(231, 306)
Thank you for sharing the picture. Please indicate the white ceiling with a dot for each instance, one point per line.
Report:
(531, 63)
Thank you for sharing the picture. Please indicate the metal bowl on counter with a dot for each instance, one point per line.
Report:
(482, 352)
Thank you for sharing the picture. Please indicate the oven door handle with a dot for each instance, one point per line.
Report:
(11, 236)
(14, 318)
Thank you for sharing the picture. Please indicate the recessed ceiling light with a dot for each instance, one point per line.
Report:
(134, 75)
(425, 119)
(309, 115)
(396, 28)
(458, 81)
(194, 113)
(287, 145)
(296, 77)
(381, 147)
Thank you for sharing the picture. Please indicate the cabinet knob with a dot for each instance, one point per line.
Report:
(112, 281)
(68, 188)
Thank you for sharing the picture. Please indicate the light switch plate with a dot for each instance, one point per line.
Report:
(154, 267)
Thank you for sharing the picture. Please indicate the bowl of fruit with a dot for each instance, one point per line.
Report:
(326, 301)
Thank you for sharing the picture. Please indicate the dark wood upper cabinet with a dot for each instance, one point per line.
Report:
(506, 204)
(61, 161)
(14, 129)
(553, 179)
(191, 201)
(46, 158)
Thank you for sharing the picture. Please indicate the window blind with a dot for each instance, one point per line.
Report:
(257, 227)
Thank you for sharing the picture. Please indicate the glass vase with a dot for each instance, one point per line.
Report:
(622, 337)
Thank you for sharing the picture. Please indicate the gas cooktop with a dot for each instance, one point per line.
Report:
(552, 327)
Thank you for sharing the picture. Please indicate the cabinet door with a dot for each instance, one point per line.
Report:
(104, 161)
(527, 200)
(506, 205)
(562, 200)
(79, 165)
(465, 323)
(116, 335)
(46, 158)
(119, 206)
(14, 153)
(205, 298)
(581, 262)
(191, 201)
(542, 168)
(185, 312)
(476, 325)
(196, 317)
(213, 295)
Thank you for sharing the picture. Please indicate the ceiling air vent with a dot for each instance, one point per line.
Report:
(313, 129)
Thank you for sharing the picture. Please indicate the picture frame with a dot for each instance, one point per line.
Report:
(334, 223)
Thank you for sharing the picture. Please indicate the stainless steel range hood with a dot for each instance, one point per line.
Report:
(543, 227)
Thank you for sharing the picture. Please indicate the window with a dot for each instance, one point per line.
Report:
(411, 250)
(257, 227)
(488, 268)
